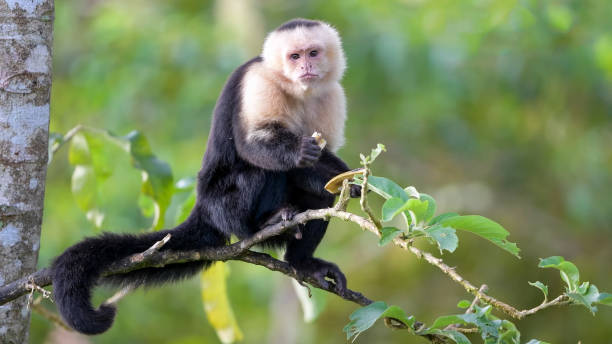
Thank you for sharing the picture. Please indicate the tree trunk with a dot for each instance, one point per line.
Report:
(26, 28)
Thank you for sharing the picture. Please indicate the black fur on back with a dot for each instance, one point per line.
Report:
(298, 22)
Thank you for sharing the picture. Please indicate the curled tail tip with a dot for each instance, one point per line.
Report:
(94, 321)
(72, 286)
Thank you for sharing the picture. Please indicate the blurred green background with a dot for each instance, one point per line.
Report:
(495, 107)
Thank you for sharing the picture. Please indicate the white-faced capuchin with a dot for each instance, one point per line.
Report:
(261, 166)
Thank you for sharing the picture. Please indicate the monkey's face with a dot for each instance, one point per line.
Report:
(306, 65)
(308, 57)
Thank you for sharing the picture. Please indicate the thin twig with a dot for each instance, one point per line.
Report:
(119, 295)
(483, 289)
(345, 196)
(363, 201)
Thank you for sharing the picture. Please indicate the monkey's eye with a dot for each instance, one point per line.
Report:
(295, 56)
(314, 53)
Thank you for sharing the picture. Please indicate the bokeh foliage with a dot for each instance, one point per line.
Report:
(501, 108)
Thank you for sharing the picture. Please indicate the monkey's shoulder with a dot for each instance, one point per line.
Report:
(263, 100)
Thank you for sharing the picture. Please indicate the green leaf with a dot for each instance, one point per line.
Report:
(78, 153)
(376, 151)
(185, 208)
(313, 301)
(569, 272)
(487, 324)
(363, 158)
(509, 334)
(157, 181)
(441, 218)
(431, 207)
(394, 206)
(457, 337)
(587, 298)
(605, 299)
(91, 148)
(83, 186)
(146, 205)
(583, 301)
(363, 318)
(386, 188)
(445, 320)
(418, 208)
(387, 235)
(445, 237)
(543, 287)
(412, 192)
(582, 289)
(398, 314)
(391, 208)
(484, 228)
(464, 304)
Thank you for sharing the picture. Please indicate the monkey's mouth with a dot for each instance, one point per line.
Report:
(308, 76)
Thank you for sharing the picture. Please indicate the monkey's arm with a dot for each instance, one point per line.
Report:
(274, 147)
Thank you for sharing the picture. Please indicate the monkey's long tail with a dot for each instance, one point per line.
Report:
(78, 270)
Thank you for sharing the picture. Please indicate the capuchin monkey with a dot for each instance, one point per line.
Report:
(261, 167)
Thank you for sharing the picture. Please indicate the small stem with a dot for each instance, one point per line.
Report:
(69, 135)
(119, 295)
(483, 289)
(364, 198)
(345, 196)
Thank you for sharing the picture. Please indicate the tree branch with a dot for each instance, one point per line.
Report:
(237, 251)
(240, 250)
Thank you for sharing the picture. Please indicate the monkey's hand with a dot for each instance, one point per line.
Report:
(320, 269)
(309, 152)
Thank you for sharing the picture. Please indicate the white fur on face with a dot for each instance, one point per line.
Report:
(279, 45)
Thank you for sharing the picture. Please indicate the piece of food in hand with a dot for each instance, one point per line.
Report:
(320, 140)
(335, 184)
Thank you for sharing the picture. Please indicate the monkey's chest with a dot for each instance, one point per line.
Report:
(315, 117)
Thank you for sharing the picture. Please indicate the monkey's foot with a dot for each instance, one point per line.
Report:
(355, 191)
(327, 274)
(281, 215)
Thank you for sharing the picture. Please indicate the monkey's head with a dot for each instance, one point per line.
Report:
(305, 52)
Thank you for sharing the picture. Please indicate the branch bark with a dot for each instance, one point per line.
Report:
(236, 251)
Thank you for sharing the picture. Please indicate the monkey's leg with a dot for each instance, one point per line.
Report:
(300, 251)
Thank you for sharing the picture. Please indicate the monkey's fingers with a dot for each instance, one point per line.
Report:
(319, 276)
(308, 155)
(335, 274)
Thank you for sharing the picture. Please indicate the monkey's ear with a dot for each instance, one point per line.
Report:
(335, 184)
